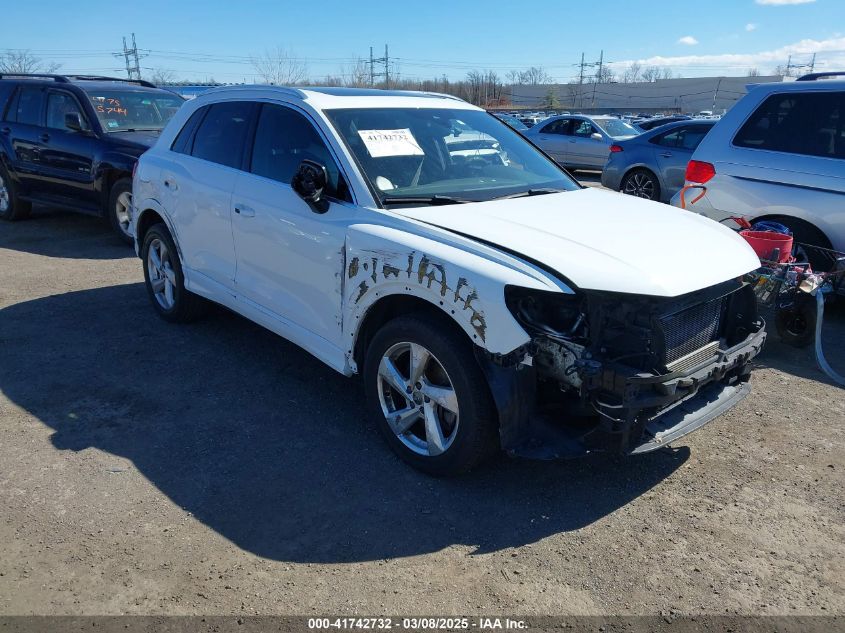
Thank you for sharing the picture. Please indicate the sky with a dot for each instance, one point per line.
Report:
(216, 39)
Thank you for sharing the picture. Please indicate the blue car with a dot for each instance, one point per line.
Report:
(652, 165)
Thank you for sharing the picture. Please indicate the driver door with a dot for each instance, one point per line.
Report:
(289, 258)
(554, 139)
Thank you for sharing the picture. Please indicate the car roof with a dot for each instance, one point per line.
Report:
(98, 84)
(326, 98)
(660, 129)
(799, 86)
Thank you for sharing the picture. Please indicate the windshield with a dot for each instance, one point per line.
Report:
(616, 127)
(124, 110)
(423, 152)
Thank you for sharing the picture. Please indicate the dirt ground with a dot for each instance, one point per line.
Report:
(148, 468)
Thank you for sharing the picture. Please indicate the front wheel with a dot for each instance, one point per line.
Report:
(11, 206)
(429, 396)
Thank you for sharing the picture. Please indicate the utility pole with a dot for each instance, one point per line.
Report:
(132, 58)
(715, 93)
(381, 61)
(581, 84)
(789, 67)
(598, 78)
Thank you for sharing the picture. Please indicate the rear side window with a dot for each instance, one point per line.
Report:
(561, 126)
(687, 137)
(30, 101)
(222, 135)
(811, 123)
(184, 140)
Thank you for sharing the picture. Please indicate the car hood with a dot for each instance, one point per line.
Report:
(601, 240)
(145, 138)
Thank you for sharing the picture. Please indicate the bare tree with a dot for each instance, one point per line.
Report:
(534, 76)
(25, 62)
(632, 73)
(280, 68)
(357, 75)
(605, 75)
(753, 72)
(162, 76)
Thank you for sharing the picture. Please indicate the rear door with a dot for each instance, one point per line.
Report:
(198, 186)
(553, 138)
(24, 128)
(67, 157)
(672, 152)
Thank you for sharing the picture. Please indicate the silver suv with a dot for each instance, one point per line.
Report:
(779, 154)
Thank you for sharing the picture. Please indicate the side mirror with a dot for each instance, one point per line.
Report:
(596, 136)
(73, 122)
(309, 182)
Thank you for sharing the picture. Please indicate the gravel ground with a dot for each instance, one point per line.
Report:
(148, 468)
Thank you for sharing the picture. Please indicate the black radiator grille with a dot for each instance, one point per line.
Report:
(690, 329)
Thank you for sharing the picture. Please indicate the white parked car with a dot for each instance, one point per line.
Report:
(489, 304)
(778, 155)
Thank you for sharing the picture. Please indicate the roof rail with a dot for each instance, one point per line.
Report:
(814, 76)
(140, 82)
(59, 78)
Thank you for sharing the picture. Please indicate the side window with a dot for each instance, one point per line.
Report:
(184, 140)
(58, 105)
(693, 136)
(810, 123)
(582, 128)
(6, 88)
(30, 102)
(561, 126)
(283, 139)
(222, 135)
(669, 139)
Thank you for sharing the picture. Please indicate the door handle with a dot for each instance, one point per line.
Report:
(6, 131)
(245, 211)
(572, 140)
(667, 155)
(44, 137)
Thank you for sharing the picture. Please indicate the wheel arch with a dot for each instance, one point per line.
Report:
(150, 214)
(641, 167)
(791, 219)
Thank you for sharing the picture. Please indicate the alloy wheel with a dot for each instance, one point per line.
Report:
(121, 211)
(418, 399)
(4, 196)
(640, 185)
(161, 274)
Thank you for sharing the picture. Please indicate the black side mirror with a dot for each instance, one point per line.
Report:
(310, 181)
(73, 122)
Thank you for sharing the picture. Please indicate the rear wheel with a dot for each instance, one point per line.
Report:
(641, 183)
(11, 207)
(431, 400)
(120, 202)
(164, 280)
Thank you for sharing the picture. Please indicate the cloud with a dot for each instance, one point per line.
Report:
(831, 55)
(783, 2)
(750, 27)
(688, 40)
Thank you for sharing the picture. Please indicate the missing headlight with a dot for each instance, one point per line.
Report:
(557, 315)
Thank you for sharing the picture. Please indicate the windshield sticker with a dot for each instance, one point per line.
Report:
(382, 143)
(111, 123)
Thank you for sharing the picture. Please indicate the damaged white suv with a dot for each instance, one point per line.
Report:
(488, 300)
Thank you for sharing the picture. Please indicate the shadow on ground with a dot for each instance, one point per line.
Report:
(57, 233)
(269, 447)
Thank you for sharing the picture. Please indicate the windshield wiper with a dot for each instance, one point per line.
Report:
(432, 200)
(530, 192)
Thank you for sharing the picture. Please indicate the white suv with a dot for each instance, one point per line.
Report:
(779, 154)
(489, 301)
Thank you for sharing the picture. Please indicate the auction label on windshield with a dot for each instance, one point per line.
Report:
(382, 143)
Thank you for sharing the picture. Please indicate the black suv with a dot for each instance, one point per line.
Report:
(73, 141)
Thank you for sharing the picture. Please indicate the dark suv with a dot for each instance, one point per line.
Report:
(73, 141)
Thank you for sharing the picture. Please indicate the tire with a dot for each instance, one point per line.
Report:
(164, 280)
(12, 208)
(641, 183)
(795, 320)
(118, 212)
(465, 415)
(805, 233)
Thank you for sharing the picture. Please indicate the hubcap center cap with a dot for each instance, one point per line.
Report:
(417, 396)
